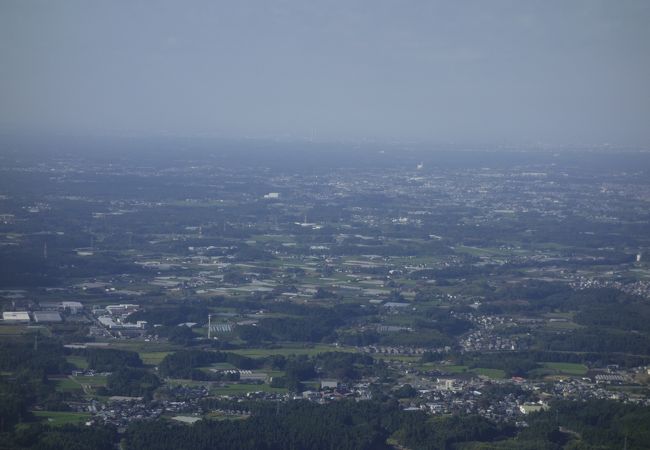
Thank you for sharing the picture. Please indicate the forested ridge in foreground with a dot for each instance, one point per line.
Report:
(357, 426)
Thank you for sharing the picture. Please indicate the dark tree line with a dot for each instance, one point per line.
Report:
(109, 360)
(185, 363)
(68, 437)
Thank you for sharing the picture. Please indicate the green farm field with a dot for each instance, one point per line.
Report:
(60, 418)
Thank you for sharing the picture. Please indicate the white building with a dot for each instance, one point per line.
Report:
(111, 324)
(121, 309)
(329, 384)
(528, 408)
(72, 307)
(16, 316)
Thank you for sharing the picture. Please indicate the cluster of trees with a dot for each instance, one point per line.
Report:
(246, 252)
(170, 316)
(462, 271)
(517, 364)
(305, 329)
(423, 337)
(431, 327)
(346, 366)
(629, 317)
(420, 432)
(521, 364)
(358, 338)
(297, 368)
(109, 360)
(25, 266)
(186, 363)
(344, 425)
(305, 324)
(368, 425)
(612, 322)
(595, 340)
(131, 382)
(595, 305)
(441, 320)
(26, 380)
(16, 397)
(180, 335)
(340, 425)
(69, 437)
(586, 425)
(589, 359)
(40, 357)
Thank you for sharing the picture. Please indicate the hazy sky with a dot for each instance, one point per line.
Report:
(465, 71)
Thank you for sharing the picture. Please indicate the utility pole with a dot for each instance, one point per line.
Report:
(209, 326)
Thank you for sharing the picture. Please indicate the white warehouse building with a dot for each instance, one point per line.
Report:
(16, 316)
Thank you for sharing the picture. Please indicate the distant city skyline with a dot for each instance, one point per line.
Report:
(467, 72)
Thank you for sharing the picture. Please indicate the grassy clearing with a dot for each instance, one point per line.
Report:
(453, 368)
(13, 329)
(481, 251)
(182, 382)
(275, 373)
(415, 260)
(566, 368)
(78, 361)
(222, 366)
(151, 353)
(272, 238)
(67, 385)
(496, 374)
(145, 347)
(446, 368)
(153, 358)
(559, 315)
(219, 416)
(628, 389)
(59, 418)
(291, 349)
(403, 358)
(241, 389)
(557, 326)
(91, 381)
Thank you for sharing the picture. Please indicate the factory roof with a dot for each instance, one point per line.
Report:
(47, 316)
(18, 316)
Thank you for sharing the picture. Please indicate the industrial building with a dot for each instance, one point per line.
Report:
(329, 384)
(122, 309)
(109, 323)
(16, 316)
(47, 316)
(50, 306)
(72, 307)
